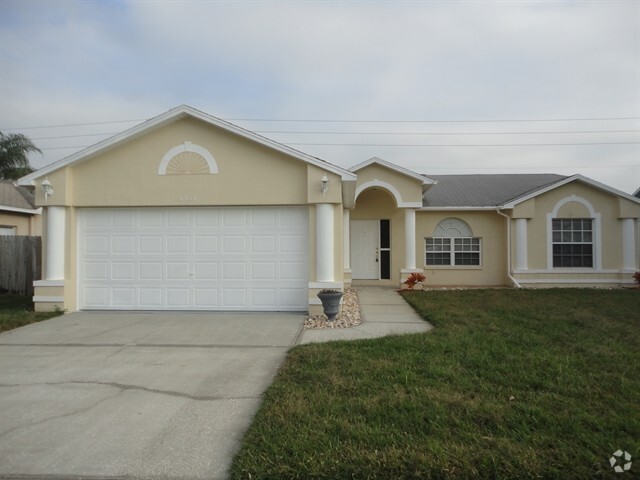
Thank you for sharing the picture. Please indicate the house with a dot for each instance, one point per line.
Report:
(18, 213)
(189, 212)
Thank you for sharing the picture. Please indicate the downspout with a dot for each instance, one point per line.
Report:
(508, 218)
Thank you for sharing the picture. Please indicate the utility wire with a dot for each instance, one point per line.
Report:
(449, 133)
(433, 121)
(72, 125)
(378, 133)
(416, 145)
(466, 145)
(517, 120)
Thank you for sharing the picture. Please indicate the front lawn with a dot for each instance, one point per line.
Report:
(510, 384)
(17, 311)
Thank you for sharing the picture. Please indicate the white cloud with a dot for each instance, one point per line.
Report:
(74, 62)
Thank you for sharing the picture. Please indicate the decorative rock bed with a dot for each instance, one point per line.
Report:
(349, 315)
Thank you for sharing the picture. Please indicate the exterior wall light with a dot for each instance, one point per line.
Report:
(325, 184)
(47, 188)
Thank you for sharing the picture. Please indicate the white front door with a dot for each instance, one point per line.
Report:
(364, 249)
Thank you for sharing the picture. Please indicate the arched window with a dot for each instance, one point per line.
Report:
(573, 227)
(452, 244)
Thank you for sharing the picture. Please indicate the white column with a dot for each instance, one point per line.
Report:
(521, 244)
(628, 244)
(346, 248)
(324, 243)
(410, 238)
(54, 268)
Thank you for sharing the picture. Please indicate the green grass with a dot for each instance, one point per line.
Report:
(510, 384)
(17, 311)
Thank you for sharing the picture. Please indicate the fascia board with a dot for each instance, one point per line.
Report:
(37, 211)
(573, 178)
(172, 115)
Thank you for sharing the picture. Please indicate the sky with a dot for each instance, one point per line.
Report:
(436, 87)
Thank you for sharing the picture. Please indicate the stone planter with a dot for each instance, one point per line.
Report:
(330, 303)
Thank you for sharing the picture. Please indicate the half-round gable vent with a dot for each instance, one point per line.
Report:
(188, 159)
(452, 227)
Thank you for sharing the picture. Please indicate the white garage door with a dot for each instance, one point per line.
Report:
(229, 258)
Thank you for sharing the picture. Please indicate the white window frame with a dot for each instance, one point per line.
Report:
(596, 225)
(572, 232)
(462, 232)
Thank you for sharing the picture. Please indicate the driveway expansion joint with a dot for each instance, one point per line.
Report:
(124, 387)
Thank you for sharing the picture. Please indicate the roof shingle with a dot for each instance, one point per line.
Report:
(483, 190)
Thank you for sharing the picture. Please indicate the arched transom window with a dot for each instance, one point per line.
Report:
(452, 244)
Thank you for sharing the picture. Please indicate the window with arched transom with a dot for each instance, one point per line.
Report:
(452, 244)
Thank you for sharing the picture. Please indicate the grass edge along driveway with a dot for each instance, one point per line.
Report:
(510, 384)
(17, 311)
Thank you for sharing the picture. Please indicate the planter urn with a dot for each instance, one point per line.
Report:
(330, 303)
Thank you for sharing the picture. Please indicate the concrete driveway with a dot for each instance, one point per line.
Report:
(135, 395)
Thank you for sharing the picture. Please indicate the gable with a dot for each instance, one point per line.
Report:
(571, 200)
(404, 188)
(150, 170)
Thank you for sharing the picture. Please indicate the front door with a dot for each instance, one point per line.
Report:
(365, 246)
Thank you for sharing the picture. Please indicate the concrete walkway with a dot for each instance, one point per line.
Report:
(384, 313)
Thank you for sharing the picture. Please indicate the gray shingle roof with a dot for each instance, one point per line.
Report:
(15, 197)
(483, 190)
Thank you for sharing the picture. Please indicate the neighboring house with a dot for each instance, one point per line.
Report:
(188, 212)
(637, 193)
(18, 213)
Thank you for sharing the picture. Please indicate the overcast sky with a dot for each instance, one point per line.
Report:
(420, 84)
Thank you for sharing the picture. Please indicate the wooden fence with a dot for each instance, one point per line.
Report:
(20, 263)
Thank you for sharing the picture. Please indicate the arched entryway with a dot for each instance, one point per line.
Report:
(376, 225)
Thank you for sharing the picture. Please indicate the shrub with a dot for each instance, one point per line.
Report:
(636, 277)
(414, 278)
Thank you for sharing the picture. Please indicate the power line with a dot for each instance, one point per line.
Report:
(433, 121)
(72, 125)
(379, 133)
(448, 133)
(415, 145)
(466, 145)
(295, 120)
(555, 167)
(76, 136)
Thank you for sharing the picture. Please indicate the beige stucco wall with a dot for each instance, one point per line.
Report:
(26, 224)
(489, 226)
(410, 189)
(607, 205)
(248, 174)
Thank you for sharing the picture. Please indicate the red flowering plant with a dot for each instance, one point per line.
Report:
(413, 279)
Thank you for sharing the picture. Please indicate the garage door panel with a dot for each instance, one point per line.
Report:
(206, 244)
(96, 270)
(227, 258)
(123, 270)
(150, 244)
(123, 297)
(95, 244)
(177, 244)
(178, 297)
(178, 271)
(206, 271)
